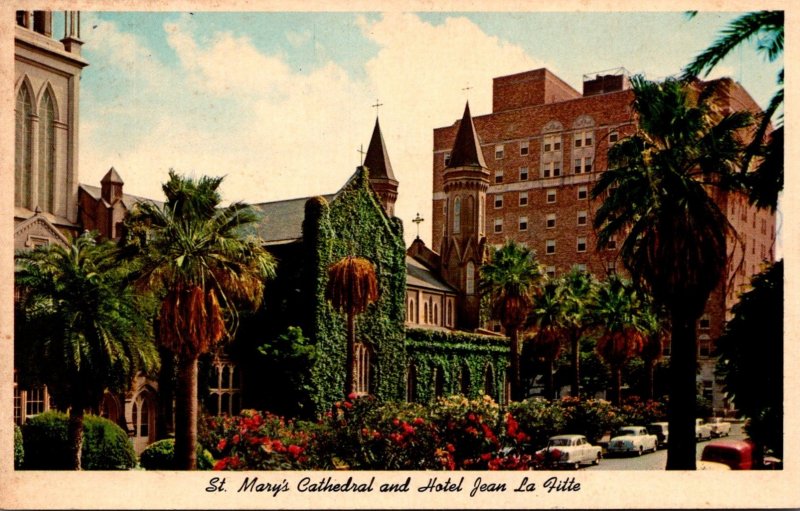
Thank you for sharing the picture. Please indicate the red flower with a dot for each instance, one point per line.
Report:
(485, 456)
(396, 422)
(450, 448)
(221, 445)
(471, 416)
(348, 404)
(236, 438)
(295, 450)
(352, 396)
(418, 421)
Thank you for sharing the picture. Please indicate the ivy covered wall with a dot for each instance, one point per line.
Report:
(466, 360)
(354, 223)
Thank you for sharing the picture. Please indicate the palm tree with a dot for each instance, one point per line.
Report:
(619, 318)
(658, 187)
(767, 27)
(653, 348)
(578, 291)
(548, 320)
(510, 280)
(81, 331)
(352, 286)
(197, 255)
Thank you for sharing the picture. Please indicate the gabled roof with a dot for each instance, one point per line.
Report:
(377, 159)
(420, 276)
(282, 221)
(467, 146)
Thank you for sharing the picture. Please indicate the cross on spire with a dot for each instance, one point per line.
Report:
(376, 106)
(418, 220)
(361, 150)
(467, 89)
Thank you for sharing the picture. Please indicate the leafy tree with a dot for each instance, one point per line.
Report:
(767, 28)
(547, 319)
(753, 371)
(352, 286)
(618, 316)
(196, 254)
(510, 280)
(578, 289)
(659, 196)
(80, 329)
(286, 362)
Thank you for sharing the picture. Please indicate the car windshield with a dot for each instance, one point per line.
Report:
(559, 441)
(626, 432)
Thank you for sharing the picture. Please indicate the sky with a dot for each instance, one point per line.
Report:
(280, 103)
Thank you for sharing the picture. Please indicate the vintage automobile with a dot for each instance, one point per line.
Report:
(632, 440)
(719, 427)
(701, 430)
(569, 451)
(737, 455)
(661, 431)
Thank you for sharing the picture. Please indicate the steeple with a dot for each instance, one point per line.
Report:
(111, 186)
(380, 170)
(467, 147)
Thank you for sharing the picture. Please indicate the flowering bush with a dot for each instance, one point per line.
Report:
(257, 441)
(591, 417)
(468, 431)
(641, 413)
(538, 419)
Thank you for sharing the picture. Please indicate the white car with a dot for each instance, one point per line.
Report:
(701, 431)
(570, 451)
(719, 427)
(632, 440)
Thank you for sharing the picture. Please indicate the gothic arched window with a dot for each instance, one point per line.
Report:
(470, 287)
(47, 153)
(362, 360)
(23, 140)
(457, 215)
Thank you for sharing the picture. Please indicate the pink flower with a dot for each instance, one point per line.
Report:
(348, 404)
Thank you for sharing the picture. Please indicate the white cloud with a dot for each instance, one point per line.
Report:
(231, 109)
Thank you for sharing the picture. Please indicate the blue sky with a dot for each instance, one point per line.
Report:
(279, 103)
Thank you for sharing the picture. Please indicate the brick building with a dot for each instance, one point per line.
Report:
(541, 150)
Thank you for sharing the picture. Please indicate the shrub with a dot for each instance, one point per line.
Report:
(538, 419)
(105, 445)
(160, 455)
(641, 413)
(19, 451)
(591, 417)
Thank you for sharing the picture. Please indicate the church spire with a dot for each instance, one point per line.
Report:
(380, 170)
(467, 147)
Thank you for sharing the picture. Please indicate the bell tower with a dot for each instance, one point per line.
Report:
(466, 180)
(381, 175)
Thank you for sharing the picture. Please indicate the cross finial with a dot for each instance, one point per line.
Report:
(467, 89)
(418, 220)
(361, 150)
(376, 106)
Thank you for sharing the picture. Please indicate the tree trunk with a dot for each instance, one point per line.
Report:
(575, 388)
(349, 382)
(649, 373)
(682, 448)
(186, 415)
(165, 420)
(617, 386)
(75, 433)
(549, 385)
(516, 381)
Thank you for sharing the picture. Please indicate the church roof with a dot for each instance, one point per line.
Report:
(377, 159)
(128, 200)
(282, 221)
(420, 276)
(467, 146)
(112, 177)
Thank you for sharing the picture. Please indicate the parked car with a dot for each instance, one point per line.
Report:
(737, 455)
(701, 430)
(632, 440)
(719, 427)
(661, 431)
(569, 451)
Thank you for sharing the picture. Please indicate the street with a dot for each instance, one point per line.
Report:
(656, 460)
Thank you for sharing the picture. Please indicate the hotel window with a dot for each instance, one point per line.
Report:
(582, 217)
(523, 223)
(550, 221)
(583, 165)
(523, 148)
(551, 169)
(581, 267)
(498, 201)
(550, 247)
(498, 225)
(612, 243)
(705, 322)
(763, 251)
(704, 346)
(611, 268)
(523, 173)
(581, 244)
(498, 176)
(551, 271)
(523, 198)
(446, 159)
(613, 137)
(551, 196)
(763, 226)
(551, 143)
(498, 152)
(583, 138)
(583, 193)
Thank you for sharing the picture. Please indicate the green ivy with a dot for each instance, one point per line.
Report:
(453, 352)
